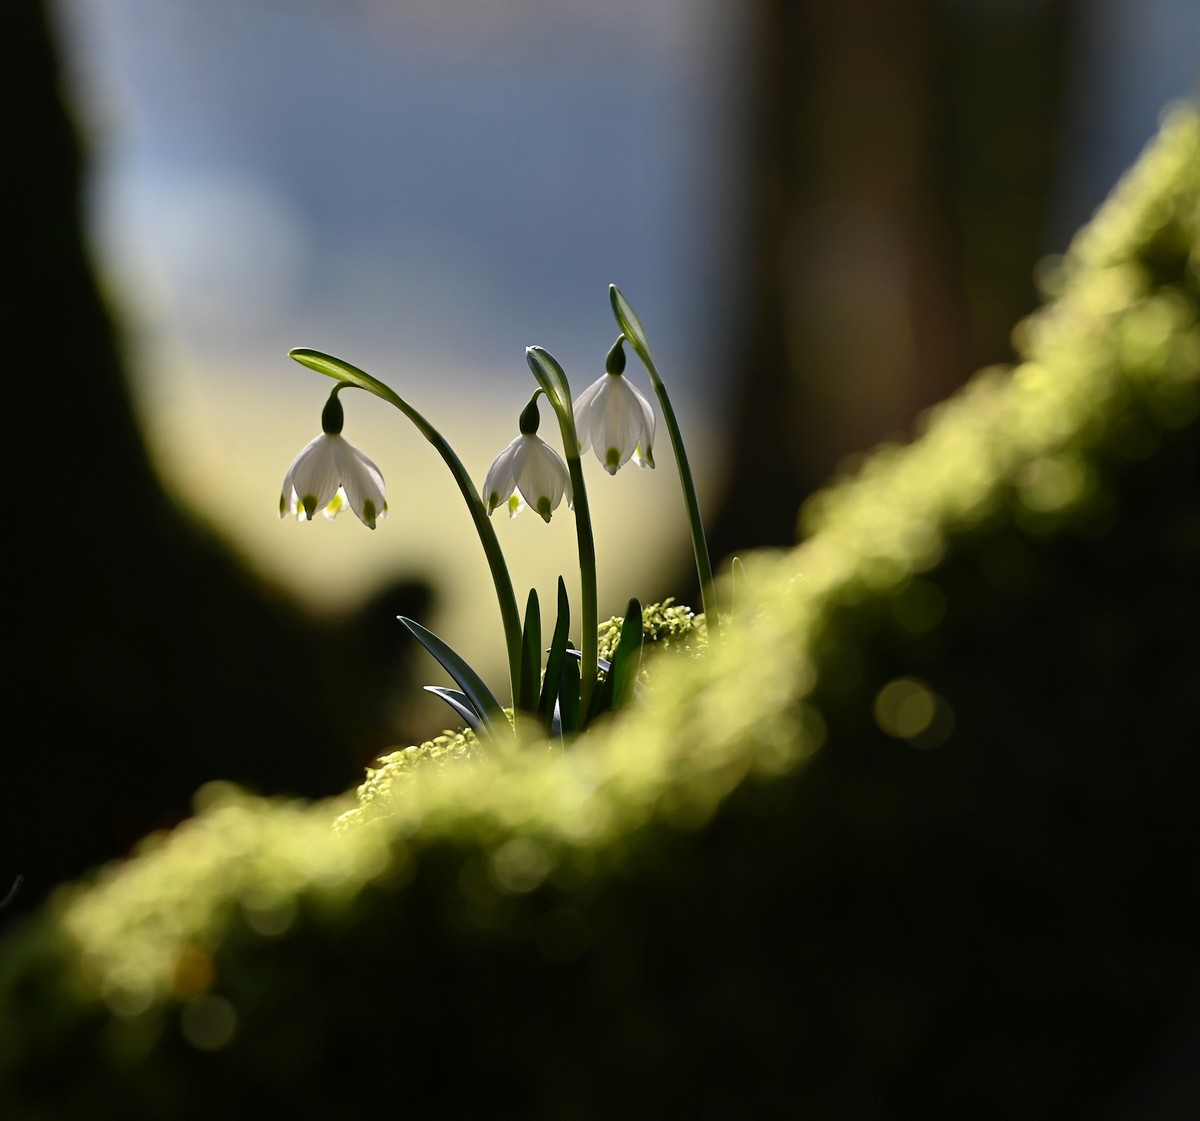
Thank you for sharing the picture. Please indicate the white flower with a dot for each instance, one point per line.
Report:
(330, 474)
(612, 416)
(533, 467)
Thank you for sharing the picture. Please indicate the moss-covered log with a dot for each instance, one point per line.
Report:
(909, 843)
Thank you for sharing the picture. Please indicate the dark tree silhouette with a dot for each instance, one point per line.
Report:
(898, 178)
(143, 658)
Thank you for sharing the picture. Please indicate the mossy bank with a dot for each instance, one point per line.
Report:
(907, 843)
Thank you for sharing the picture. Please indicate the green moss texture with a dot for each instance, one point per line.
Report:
(916, 839)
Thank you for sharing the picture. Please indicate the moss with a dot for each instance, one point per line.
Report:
(665, 626)
(398, 770)
(903, 844)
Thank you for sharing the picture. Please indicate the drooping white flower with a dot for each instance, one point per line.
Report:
(330, 474)
(614, 418)
(532, 467)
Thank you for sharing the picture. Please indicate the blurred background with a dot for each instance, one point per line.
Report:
(826, 214)
(424, 189)
(834, 208)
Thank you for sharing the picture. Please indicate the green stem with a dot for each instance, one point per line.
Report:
(509, 613)
(632, 328)
(589, 621)
(553, 380)
(695, 521)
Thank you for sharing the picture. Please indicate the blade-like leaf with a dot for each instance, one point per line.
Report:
(492, 716)
(620, 676)
(627, 320)
(554, 660)
(602, 665)
(568, 698)
(740, 586)
(627, 658)
(531, 656)
(458, 701)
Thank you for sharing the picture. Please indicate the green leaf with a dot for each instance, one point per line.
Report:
(602, 665)
(479, 696)
(568, 698)
(621, 679)
(458, 701)
(629, 323)
(554, 660)
(739, 585)
(627, 658)
(531, 655)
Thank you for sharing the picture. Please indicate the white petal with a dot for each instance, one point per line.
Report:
(501, 478)
(643, 454)
(613, 417)
(360, 479)
(541, 475)
(619, 425)
(584, 410)
(311, 481)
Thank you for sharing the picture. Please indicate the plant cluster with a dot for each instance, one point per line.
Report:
(576, 685)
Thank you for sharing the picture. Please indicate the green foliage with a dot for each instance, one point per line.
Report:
(903, 845)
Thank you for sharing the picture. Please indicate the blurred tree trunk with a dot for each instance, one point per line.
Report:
(143, 658)
(900, 165)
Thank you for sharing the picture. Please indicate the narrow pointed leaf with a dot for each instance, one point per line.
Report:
(629, 323)
(601, 701)
(531, 655)
(627, 658)
(740, 586)
(479, 696)
(554, 660)
(601, 664)
(568, 698)
(620, 677)
(458, 701)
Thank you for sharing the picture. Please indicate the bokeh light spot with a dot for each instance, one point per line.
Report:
(908, 709)
(208, 1022)
(519, 866)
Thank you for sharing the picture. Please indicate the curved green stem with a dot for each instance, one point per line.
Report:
(632, 328)
(553, 381)
(510, 615)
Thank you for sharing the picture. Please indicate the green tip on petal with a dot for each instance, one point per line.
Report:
(612, 460)
(514, 504)
(544, 508)
(309, 502)
(369, 513)
(283, 505)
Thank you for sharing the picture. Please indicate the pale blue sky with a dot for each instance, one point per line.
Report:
(452, 180)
